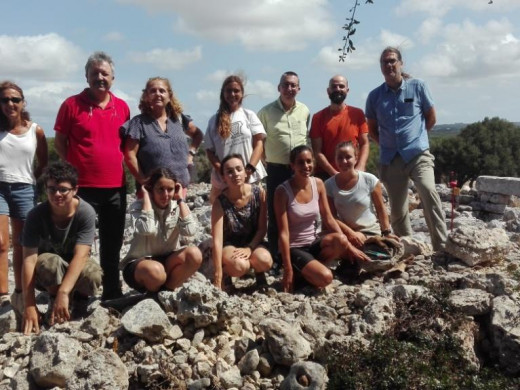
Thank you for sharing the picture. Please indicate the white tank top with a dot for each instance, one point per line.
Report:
(17, 156)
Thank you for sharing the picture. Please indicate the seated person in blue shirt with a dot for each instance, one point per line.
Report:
(57, 238)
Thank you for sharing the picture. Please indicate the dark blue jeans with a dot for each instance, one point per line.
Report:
(276, 175)
(110, 206)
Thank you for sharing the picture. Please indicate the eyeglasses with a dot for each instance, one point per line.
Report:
(391, 61)
(289, 85)
(15, 100)
(62, 190)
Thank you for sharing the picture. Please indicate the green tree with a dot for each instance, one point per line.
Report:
(489, 147)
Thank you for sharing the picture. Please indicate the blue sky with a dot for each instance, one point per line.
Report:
(467, 51)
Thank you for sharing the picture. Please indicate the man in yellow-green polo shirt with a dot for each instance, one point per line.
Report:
(285, 122)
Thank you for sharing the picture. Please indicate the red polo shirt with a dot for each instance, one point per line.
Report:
(94, 140)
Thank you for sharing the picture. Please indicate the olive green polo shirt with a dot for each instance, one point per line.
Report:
(285, 129)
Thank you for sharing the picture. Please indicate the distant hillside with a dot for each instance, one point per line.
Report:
(451, 129)
(447, 130)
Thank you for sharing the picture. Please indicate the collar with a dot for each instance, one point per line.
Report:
(280, 104)
(85, 98)
(402, 87)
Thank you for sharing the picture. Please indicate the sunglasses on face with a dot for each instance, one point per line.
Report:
(15, 100)
(62, 190)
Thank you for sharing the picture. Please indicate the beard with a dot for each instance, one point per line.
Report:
(337, 97)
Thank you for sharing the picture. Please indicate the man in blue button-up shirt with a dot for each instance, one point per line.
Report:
(400, 112)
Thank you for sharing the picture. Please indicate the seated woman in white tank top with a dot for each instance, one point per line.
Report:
(299, 202)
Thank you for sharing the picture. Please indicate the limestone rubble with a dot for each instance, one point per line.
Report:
(198, 337)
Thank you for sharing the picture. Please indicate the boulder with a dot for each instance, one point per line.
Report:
(472, 302)
(285, 341)
(101, 369)
(505, 330)
(148, 321)
(54, 357)
(474, 245)
(305, 376)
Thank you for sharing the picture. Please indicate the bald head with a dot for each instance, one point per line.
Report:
(338, 79)
(338, 89)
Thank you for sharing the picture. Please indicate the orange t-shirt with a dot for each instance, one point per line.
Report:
(346, 125)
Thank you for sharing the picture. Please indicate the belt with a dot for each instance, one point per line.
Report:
(276, 165)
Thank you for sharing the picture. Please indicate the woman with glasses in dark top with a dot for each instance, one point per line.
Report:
(20, 141)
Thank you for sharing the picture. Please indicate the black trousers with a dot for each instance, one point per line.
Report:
(276, 175)
(110, 207)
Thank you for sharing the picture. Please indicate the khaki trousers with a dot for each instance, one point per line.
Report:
(395, 177)
(50, 270)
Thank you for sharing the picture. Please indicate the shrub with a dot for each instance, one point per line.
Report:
(414, 354)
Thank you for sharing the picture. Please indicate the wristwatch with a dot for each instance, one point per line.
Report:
(193, 152)
(386, 232)
(179, 201)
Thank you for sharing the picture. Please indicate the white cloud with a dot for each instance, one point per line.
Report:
(114, 36)
(389, 38)
(441, 7)
(470, 51)
(328, 57)
(429, 29)
(256, 24)
(218, 76)
(366, 53)
(167, 59)
(262, 89)
(207, 95)
(258, 88)
(38, 57)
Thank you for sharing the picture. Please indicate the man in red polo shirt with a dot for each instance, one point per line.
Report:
(335, 124)
(87, 136)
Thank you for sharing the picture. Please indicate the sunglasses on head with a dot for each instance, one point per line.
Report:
(15, 100)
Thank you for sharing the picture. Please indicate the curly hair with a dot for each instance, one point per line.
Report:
(224, 111)
(173, 107)
(4, 122)
(61, 171)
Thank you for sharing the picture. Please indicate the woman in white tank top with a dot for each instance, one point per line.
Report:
(299, 201)
(20, 141)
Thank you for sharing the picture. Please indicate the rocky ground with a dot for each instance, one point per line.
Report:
(198, 337)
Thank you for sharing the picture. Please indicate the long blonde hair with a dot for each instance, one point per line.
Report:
(224, 111)
(173, 107)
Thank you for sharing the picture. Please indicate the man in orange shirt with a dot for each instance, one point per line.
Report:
(334, 124)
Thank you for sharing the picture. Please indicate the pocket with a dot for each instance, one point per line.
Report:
(409, 108)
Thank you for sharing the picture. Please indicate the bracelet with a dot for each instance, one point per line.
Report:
(386, 232)
(192, 152)
(250, 167)
(179, 201)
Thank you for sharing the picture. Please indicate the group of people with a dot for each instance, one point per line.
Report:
(319, 204)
